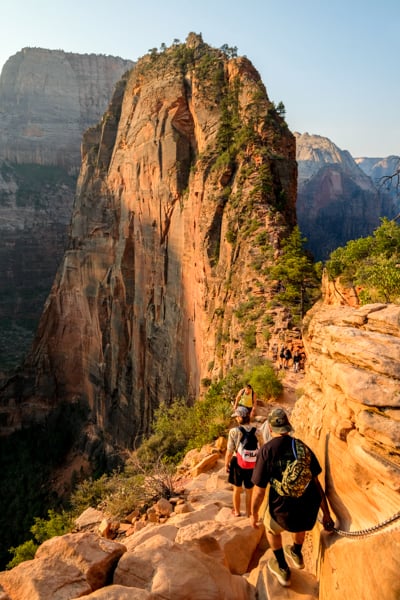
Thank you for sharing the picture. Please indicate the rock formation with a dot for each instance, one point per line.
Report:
(349, 414)
(337, 201)
(47, 100)
(186, 188)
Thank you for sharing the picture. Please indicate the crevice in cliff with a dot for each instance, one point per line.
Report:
(128, 265)
(213, 235)
(160, 159)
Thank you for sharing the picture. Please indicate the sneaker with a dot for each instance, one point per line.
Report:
(297, 559)
(282, 575)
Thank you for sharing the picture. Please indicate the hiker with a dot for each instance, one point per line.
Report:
(239, 461)
(282, 357)
(288, 357)
(246, 397)
(296, 361)
(265, 432)
(286, 512)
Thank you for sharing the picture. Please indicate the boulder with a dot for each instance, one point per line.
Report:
(93, 556)
(173, 572)
(50, 577)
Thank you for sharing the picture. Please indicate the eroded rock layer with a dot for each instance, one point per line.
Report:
(350, 414)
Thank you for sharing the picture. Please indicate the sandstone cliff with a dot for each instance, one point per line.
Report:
(349, 413)
(35, 211)
(186, 188)
(48, 98)
(337, 200)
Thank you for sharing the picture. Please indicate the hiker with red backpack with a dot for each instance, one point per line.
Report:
(240, 457)
(295, 494)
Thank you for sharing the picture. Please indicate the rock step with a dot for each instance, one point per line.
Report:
(304, 585)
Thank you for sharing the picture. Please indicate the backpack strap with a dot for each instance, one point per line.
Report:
(300, 449)
(294, 447)
(244, 431)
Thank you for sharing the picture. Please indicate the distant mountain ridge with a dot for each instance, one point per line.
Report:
(338, 197)
(48, 98)
(378, 167)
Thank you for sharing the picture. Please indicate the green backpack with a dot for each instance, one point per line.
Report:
(297, 474)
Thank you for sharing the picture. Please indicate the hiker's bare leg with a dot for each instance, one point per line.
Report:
(236, 498)
(274, 540)
(298, 537)
(248, 501)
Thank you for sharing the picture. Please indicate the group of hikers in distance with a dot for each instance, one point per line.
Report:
(270, 455)
(289, 357)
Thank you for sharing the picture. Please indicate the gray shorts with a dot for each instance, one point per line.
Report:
(271, 526)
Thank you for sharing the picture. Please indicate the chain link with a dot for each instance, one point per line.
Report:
(368, 530)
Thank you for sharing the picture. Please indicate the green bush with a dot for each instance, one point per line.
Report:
(264, 381)
(25, 551)
(249, 338)
(370, 263)
(42, 530)
(298, 276)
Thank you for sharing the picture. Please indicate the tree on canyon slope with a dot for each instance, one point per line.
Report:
(299, 277)
(370, 265)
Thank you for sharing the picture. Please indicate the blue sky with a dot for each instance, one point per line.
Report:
(333, 63)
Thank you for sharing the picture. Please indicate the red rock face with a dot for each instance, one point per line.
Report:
(189, 165)
(349, 414)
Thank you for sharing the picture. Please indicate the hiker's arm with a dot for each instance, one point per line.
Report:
(327, 520)
(228, 458)
(238, 395)
(256, 501)
(254, 404)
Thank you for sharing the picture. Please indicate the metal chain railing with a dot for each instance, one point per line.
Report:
(368, 530)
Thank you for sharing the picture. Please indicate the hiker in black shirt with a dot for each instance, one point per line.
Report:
(286, 513)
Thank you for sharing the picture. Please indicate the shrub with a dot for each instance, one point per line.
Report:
(25, 551)
(265, 382)
(42, 529)
(249, 338)
(371, 263)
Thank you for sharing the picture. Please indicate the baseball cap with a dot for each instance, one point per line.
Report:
(279, 421)
(241, 411)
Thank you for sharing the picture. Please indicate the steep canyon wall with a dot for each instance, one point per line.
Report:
(48, 98)
(189, 165)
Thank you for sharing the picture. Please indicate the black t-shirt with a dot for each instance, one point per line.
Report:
(293, 514)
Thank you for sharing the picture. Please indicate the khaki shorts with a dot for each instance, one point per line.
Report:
(271, 526)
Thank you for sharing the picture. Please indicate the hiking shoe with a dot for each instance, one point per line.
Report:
(282, 575)
(297, 559)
